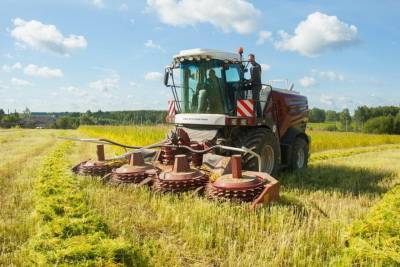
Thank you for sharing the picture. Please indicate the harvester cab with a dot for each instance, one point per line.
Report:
(212, 99)
(217, 134)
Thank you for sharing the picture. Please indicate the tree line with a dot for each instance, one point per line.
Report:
(383, 119)
(72, 120)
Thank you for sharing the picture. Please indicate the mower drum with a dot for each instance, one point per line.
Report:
(134, 172)
(98, 167)
(182, 178)
(247, 186)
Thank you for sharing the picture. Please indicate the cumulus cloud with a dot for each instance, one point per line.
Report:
(9, 68)
(263, 36)
(153, 45)
(153, 76)
(329, 75)
(98, 3)
(105, 85)
(237, 15)
(20, 82)
(44, 72)
(75, 91)
(319, 32)
(265, 67)
(123, 7)
(307, 81)
(45, 37)
(327, 100)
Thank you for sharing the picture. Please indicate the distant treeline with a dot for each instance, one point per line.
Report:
(72, 120)
(384, 119)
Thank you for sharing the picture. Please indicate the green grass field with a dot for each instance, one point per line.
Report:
(342, 211)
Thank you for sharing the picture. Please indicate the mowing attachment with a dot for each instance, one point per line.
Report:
(134, 172)
(97, 167)
(247, 186)
(182, 178)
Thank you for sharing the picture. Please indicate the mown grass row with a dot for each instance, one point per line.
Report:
(375, 240)
(340, 153)
(17, 168)
(69, 232)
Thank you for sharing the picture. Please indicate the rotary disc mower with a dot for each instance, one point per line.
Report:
(98, 167)
(218, 113)
(136, 171)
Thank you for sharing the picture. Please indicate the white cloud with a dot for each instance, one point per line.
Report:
(132, 84)
(106, 85)
(153, 45)
(9, 68)
(307, 81)
(330, 75)
(123, 7)
(265, 67)
(45, 37)
(44, 72)
(238, 15)
(75, 90)
(98, 3)
(263, 36)
(19, 82)
(153, 76)
(316, 34)
(327, 100)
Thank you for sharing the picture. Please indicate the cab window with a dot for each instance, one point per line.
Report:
(232, 74)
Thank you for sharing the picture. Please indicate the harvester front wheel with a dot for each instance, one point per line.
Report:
(263, 142)
(299, 157)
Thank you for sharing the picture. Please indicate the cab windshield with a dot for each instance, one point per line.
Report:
(209, 87)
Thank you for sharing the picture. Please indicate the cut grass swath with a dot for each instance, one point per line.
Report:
(376, 238)
(70, 233)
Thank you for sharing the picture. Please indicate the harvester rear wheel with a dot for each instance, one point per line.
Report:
(263, 142)
(299, 157)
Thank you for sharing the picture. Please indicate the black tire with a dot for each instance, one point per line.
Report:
(299, 155)
(263, 142)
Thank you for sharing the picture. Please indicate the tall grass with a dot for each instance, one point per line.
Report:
(320, 140)
(324, 140)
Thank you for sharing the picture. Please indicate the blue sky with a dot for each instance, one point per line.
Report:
(109, 55)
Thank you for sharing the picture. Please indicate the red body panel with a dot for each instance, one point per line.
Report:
(288, 110)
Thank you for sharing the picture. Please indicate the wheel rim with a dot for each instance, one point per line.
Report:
(268, 157)
(300, 158)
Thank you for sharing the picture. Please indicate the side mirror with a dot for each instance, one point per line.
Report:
(166, 76)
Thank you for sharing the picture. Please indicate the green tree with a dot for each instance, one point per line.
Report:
(331, 115)
(86, 119)
(316, 115)
(345, 119)
(2, 114)
(396, 124)
(380, 125)
(67, 122)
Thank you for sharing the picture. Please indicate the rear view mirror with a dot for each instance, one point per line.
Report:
(166, 76)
